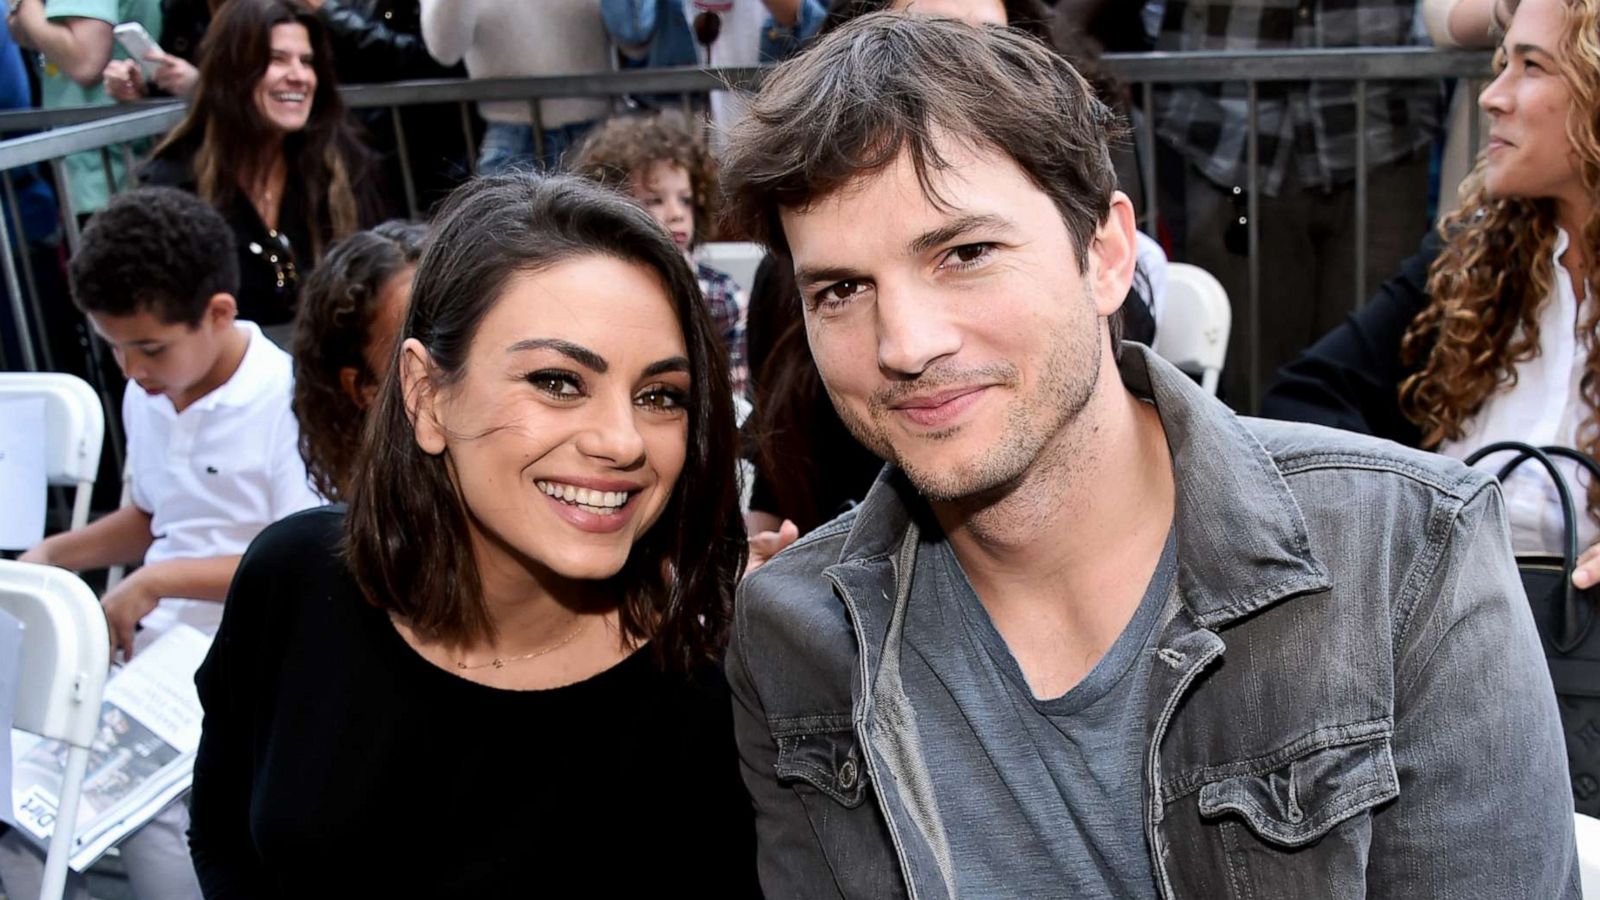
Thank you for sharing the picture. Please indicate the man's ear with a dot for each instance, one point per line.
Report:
(416, 384)
(1113, 254)
(221, 310)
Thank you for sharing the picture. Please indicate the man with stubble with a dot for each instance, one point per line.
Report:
(1091, 634)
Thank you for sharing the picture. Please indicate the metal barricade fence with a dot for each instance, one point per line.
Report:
(104, 128)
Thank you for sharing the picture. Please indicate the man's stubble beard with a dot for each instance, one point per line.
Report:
(1033, 423)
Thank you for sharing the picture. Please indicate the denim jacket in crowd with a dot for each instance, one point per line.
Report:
(1349, 700)
(660, 28)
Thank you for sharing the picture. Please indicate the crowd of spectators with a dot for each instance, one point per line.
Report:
(274, 321)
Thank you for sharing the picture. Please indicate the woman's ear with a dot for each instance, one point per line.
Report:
(416, 383)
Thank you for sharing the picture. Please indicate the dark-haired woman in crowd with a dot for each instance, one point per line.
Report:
(344, 338)
(497, 674)
(267, 142)
(1489, 333)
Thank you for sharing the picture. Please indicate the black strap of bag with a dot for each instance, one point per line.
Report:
(1576, 617)
(1573, 625)
(1564, 617)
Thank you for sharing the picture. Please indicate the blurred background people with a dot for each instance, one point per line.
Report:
(505, 38)
(268, 143)
(1488, 333)
(75, 43)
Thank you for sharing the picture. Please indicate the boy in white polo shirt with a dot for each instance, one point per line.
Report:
(212, 451)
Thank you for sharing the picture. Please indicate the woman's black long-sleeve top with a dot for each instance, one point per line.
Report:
(1350, 379)
(337, 762)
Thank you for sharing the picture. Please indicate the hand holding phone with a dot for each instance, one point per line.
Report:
(139, 45)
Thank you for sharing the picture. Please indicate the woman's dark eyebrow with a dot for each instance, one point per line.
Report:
(578, 353)
(1525, 49)
(670, 364)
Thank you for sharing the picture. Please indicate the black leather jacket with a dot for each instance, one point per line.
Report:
(380, 40)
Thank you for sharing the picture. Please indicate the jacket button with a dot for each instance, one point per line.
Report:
(847, 774)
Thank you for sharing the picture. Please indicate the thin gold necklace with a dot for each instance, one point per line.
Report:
(499, 662)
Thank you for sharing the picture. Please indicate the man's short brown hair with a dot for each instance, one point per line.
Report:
(892, 83)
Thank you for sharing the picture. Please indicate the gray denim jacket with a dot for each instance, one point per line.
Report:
(1350, 698)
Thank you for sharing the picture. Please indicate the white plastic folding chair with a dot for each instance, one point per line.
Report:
(1587, 830)
(739, 259)
(75, 427)
(65, 651)
(1195, 320)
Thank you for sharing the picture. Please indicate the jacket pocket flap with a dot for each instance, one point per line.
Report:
(1301, 800)
(829, 761)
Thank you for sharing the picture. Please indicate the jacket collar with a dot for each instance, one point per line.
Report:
(1242, 539)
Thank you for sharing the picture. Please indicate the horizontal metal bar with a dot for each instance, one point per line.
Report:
(110, 124)
(91, 136)
(12, 121)
(593, 84)
(1336, 64)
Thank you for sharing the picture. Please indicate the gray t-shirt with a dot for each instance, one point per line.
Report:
(1038, 798)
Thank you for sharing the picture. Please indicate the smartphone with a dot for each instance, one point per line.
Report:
(137, 42)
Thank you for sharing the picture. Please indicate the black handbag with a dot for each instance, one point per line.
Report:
(1565, 617)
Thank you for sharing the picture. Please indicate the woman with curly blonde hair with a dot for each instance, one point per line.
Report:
(1489, 333)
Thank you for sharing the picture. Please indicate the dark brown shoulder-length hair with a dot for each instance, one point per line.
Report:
(225, 132)
(331, 328)
(406, 535)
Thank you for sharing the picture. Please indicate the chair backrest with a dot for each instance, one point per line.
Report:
(1587, 831)
(1195, 320)
(739, 259)
(65, 651)
(75, 424)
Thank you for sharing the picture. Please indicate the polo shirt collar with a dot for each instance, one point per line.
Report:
(251, 379)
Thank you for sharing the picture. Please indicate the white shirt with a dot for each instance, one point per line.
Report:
(1544, 407)
(1153, 264)
(737, 44)
(514, 38)
(213, 476)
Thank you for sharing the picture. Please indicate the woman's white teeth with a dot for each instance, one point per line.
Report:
(290, 97)
(594, 501)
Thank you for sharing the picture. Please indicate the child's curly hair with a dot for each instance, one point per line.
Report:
(622, 146)
(330, 332)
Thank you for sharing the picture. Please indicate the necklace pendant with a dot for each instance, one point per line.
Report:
(461, 664)
(499, 663)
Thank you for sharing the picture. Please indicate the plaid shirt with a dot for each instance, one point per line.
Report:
(1311, 124)
(726, 303)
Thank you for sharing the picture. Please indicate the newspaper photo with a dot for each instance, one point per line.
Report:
(142, 759)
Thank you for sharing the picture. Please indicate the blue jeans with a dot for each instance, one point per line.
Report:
(507, 147)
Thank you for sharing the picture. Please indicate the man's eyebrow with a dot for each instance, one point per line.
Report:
(576, 352)
(805, 276)
(670, 364)
(955, 228)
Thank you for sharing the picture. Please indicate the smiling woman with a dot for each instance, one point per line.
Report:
(512, 662)
(267, 142)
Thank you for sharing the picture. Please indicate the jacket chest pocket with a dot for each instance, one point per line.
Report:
(824, 764)
(828, 760)
(1302, 828)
